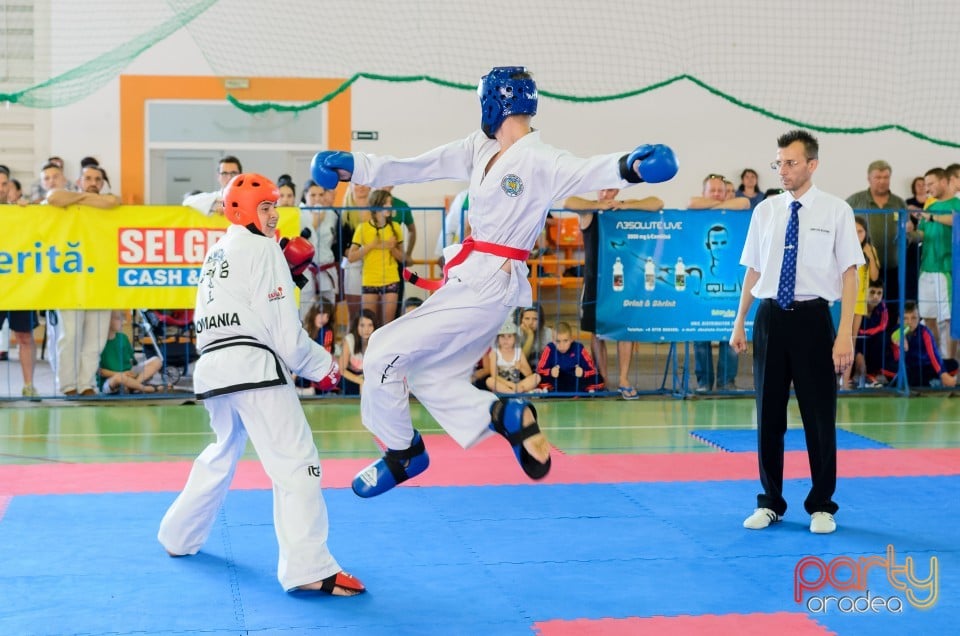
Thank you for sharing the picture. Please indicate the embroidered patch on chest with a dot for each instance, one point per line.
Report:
(512, 185)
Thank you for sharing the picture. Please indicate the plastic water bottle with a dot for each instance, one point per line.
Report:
(617, 275)
(649, 275)
(680, 275)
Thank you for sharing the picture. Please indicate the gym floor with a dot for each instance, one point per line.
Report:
(637, 528)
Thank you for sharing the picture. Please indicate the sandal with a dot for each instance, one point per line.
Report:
(628, 393)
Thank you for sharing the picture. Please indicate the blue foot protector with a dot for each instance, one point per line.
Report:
(507, 419)
(395, 467)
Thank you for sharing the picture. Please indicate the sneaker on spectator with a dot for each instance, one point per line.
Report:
(822, 523)
(760, 519)
(29, 391)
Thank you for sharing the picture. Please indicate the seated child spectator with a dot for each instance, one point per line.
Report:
(873, 339)
(318, 323)
(411, 303)
(118, 365)
(534, 334)
(921, 356)
(509, 370)
(566, 366)
(353, 348)
(480, 371)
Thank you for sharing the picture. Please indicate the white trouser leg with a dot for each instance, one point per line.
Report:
(278, 429)
(187, 524)
(93, 338)
(68, 348)
(280, 433)
(434, 351)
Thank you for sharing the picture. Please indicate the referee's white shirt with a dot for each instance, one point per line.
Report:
(828, 244)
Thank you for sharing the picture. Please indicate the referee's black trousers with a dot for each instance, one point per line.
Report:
(796, 345)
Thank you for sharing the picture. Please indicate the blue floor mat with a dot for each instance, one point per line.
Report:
(469, 560)
(745, 440)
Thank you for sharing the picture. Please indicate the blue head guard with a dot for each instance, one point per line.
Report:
(501, 96)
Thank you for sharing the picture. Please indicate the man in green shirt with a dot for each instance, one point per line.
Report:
(936, 261)
(883, 229)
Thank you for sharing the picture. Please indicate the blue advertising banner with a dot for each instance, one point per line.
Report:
(670, 276)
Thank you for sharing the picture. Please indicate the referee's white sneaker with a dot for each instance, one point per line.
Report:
(760, 519)
(822, 523)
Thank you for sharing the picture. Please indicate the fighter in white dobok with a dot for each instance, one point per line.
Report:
(514, 179)
(251, 339)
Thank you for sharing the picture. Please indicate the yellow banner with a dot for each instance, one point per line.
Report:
(128, 257)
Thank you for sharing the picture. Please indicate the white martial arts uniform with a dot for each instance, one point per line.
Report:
(434, 349)
(250, 338)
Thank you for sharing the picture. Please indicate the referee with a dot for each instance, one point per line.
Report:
(801, 252)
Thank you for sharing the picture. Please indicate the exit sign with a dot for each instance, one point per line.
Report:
(366, 135)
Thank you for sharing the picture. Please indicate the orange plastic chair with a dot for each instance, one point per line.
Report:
(565, 235)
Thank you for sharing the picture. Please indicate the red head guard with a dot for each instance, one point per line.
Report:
(244, 194)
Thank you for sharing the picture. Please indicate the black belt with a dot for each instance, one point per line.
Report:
(799, 304)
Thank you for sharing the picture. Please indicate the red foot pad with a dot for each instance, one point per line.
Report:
(742, 624)
(344, 580)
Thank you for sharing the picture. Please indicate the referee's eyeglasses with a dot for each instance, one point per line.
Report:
(790, 163)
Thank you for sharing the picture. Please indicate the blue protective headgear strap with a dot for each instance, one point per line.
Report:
(501, 95)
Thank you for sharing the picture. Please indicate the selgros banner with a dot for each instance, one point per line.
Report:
(128, 257)
(670, 276)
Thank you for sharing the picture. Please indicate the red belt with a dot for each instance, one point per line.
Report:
(469, 245)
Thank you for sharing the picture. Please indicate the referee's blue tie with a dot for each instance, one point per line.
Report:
(788, 269)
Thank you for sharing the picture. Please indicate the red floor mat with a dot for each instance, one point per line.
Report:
(488, 464)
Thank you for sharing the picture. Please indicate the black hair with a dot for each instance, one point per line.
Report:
(231, 159)
(355, 327)
(287, 180)
(306, 188)
(754, 173)
(862, 222)
(811, 148)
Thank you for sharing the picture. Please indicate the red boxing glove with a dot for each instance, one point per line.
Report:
(299, 253)
(330, 381)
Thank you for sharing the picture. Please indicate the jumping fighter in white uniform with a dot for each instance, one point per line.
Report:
(250, 339)
(514, 179)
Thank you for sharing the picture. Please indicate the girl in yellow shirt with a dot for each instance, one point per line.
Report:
(379, 243)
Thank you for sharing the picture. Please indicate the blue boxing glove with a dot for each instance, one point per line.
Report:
(657, 164)
(330, 167)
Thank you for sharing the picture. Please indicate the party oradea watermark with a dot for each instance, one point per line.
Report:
(875, 584)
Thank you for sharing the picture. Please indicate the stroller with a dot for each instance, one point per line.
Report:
(170, 334)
